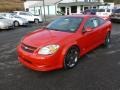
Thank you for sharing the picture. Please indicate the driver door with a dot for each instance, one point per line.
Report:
(89, 38)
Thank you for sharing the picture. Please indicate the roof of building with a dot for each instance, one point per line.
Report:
(38, 3)
(51, 2)
(47, 2)
(79, 3)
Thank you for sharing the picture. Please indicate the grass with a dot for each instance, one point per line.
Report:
(11, 5)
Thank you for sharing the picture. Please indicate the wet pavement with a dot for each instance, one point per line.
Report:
(98, 70)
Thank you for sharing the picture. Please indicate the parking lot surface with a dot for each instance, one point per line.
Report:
(98, 70)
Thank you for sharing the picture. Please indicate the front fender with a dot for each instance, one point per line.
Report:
(66, 47)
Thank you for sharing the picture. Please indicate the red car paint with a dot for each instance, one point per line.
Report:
(86, 41)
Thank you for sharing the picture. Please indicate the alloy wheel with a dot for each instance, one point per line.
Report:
(71, 58)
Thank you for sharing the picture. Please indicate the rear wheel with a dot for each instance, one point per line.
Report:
(36, 21)
(71, 58)
(16, 24)
(107, 40)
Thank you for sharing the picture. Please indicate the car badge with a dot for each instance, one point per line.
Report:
(26, 48)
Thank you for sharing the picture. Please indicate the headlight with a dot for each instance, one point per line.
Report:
(2, 24)
(47, 50)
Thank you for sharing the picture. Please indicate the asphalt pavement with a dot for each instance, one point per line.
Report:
(98, 70)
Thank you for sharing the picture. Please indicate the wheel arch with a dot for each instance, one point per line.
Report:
(66, 49)
(36, 19)
(16, 21)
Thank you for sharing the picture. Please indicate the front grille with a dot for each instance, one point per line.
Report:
(28, 48)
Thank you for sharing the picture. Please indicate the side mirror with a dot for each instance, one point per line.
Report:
(88, 29)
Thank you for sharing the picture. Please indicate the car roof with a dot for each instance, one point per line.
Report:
(81, 16)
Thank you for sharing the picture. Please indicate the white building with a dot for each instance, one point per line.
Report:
(117, 6)
(36, 7)
(68, 7)
(107, 6)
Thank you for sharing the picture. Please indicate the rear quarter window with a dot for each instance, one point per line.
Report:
(101, 21)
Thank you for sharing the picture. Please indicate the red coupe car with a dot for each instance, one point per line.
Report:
(62, 42)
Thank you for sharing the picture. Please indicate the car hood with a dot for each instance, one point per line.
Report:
(21, 19)
(6, 21)
(45, 37)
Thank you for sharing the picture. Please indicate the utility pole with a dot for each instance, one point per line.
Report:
(44, 10)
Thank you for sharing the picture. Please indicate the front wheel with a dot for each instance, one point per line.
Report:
(36, 21)
(71, 58)
(107, 40)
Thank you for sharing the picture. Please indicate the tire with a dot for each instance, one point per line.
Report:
(36, 21)
(16, 24)
(107, 40)
(71, 58)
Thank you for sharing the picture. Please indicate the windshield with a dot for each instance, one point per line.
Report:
(16, 16)
(66, 24)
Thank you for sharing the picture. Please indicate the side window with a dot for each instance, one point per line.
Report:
(92, 22)
(89, 24)
(23, 13)
(96, 23)
(101, 21)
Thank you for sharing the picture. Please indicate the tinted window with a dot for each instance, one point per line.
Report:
(93, 23)
(69, 24)
(101, 21)
(12, 14)
(22, 13)
(25, 13)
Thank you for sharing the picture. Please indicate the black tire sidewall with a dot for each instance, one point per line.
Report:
(106, 43)
(36, 21)
(17, 24)
(65, 65)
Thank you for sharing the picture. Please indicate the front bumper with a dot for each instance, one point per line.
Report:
(115, 18)
(39, 63)
(6, 27)
(24, 24)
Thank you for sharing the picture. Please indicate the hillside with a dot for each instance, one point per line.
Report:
(115, 1)
(10, 5)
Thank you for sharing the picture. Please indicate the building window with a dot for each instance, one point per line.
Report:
(62, 9)
(85, 8)
(73, 9)
(94, 7)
